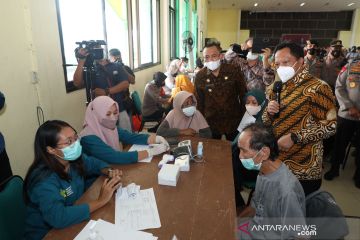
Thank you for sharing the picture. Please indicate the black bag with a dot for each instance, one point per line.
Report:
(323, 212)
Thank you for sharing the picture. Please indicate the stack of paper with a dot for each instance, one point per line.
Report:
(108, 231)
(136, 213)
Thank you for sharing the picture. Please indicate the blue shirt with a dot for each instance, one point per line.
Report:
(94, 146)
(52, 200)
(108, 76)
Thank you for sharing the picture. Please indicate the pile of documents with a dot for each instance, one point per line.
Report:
(135, 210)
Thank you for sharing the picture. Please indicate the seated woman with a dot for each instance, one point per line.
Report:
(153, 101)
(56, 180)
(255, 103)
(101, 138)
(184, 119)
(182, 83)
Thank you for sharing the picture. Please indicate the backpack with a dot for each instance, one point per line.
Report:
(323, 212)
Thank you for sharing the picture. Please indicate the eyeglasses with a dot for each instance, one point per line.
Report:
(68, 141)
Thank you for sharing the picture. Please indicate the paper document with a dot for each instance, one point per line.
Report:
(108, 231)
(136, 213)
(137, 147)
(246, 120)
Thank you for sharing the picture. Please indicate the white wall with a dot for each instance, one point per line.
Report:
(30, 42)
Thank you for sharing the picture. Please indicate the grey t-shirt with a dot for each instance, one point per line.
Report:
(279, 199)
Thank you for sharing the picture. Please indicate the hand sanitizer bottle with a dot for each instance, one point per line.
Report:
(200, 150)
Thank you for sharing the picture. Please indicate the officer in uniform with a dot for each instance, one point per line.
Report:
(348, 122)
(219, 90)
(312, 60)
(333, 63)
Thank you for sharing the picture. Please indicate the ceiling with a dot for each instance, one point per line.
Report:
(285, 5)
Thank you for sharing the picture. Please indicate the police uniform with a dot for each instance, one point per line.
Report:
(347, 92)
(256, 77)
(220, 99)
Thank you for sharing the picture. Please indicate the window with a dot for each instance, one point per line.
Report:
(145, 28)
(110, 20)
(172, 29)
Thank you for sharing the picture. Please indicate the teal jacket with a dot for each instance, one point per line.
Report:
(93, 146)
(52, 200)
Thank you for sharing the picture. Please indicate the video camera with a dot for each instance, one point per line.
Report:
(96, 52)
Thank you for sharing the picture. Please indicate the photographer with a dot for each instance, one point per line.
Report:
(108, 79)
(313, 59)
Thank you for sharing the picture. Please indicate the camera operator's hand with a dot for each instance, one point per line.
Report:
(81, 53)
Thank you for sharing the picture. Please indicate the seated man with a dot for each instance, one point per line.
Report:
(279, 198)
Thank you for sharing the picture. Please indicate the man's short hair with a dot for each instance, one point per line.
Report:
(296, 50)
(114, 52)
(262, 136)
(213, 43)
(316, 43)
(185, 59)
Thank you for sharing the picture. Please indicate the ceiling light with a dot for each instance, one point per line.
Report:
(302, 4)
(350, 4)
(255, 5)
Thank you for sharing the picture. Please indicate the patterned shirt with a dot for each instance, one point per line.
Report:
(220, 99)
(315, 66)
(256, 77)
(307, 110)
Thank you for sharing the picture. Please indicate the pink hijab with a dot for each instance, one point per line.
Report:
(177, 119)
(95, 112)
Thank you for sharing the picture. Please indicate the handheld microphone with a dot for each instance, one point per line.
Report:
(277, 90)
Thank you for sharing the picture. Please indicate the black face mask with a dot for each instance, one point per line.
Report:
(2, 101)
(312, 51)
(335, 53)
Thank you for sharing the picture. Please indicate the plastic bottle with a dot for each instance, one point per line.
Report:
(200, 150)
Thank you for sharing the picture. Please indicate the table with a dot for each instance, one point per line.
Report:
(201, 206)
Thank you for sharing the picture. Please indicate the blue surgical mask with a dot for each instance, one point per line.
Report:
(189, 111)
(72, 152)
(249, 163)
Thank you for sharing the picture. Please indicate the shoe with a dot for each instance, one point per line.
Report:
(331, 174)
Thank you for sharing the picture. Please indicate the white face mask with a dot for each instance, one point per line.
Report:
(286, 73)
(213, 65)
(251, 56)
(189, 111)
(252, 110)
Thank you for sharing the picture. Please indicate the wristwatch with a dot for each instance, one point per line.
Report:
(294, 138)
(109, 171)
(107, 91)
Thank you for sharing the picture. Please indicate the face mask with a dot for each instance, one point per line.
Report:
(2, 101)
(252, 110)
(249, 163)
(213, 65)
(312, 51)
(285, 73)
(109, 123)
(251, 56)
(189, 111)
(335, 53)
(72, 152)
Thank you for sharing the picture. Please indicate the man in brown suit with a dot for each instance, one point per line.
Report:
(219, 90)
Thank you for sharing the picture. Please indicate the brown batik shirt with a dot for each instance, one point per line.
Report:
(220, 99)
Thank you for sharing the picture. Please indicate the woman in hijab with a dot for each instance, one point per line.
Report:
(255, 103)
(102, 139)
(184, 119)
(182, 83)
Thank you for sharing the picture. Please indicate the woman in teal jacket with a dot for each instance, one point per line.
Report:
(102, 139)
(56, 179)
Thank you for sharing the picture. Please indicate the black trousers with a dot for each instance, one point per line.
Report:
(310, 186)
(345, 131)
